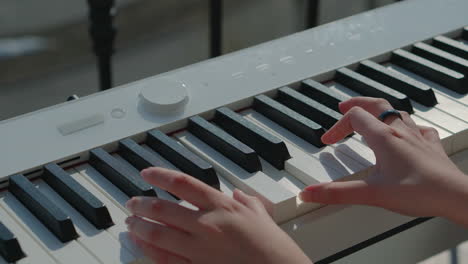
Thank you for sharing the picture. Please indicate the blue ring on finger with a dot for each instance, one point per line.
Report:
(391, 112)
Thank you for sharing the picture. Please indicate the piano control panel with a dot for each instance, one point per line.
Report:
(250, 120)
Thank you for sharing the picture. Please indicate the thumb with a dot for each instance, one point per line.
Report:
(351, 192)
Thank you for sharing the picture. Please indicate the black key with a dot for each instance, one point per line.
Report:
(116, 172)
(455, 47)
(465, 33)
(182, 158)
(414, 89)
(138, 156)
(10, 249)
(46, 211)
(269, 147)
(430, 70)
(369, 87)
(441, 57)
(322, 94)
(289, 119)
(308, 107)
(76, 195)
(224, 143)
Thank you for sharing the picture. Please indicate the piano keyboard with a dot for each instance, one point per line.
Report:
(250, 120)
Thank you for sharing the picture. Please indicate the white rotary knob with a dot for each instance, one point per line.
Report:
(164, 96)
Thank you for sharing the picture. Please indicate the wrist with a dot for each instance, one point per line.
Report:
(456, 208)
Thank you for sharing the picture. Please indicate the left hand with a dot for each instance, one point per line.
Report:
(223, 230)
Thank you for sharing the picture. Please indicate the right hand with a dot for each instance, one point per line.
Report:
(412, 175)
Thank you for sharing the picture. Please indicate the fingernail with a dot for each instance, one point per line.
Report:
(129, 204)
(308, 193)
(311, 188)
(145, 173)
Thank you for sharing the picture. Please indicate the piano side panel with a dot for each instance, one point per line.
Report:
(334, 228)
(413, 245)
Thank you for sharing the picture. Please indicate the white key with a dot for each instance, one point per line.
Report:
(422, 122)
(282, 177)
(439, 118)
(431, 114)
(70, 252)
(91, 238)
(453, 106)
(35, 252)
(280, 201)
(119, 229)
(309, 163)
(441, 90)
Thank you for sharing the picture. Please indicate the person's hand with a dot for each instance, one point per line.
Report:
(412, 175)
(223, 230)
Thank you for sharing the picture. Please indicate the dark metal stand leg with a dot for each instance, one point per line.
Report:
(102, 34)
(312, 13)
(216, 25)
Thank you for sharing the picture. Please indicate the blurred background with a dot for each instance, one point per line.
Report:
(46, 52)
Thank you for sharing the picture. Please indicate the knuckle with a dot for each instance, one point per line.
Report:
(386, 135)
(433, 131)
(209, 224)
(354, 111)
(179, 181)
(255, 200)
(384, 132)
(157, 205)
(230, 207)
(405, 115)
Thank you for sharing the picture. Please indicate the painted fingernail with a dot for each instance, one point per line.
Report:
(311, 188)
(308, 193)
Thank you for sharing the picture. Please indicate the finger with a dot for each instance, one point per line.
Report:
(351, 192)
(249, 201)
(375, 106)
(408, 120)
(160, 236)
(158, 255)
(429, 133)
(163, 211)
(432, 135)
(361, 121)
(184, 186)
